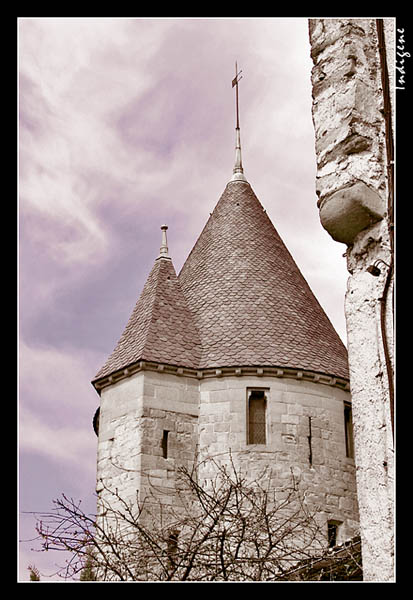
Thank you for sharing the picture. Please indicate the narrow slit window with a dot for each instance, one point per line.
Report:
(333, 532)
(257, 408)
(164, 443)
(172, 547)
(348, 430)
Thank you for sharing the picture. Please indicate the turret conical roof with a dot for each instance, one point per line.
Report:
(249, 302)
(160, 328)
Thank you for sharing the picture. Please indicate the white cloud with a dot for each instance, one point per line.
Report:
(56, 405)
(65, 445)
(69, 153)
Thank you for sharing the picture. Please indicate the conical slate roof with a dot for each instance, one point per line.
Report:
(239, 300)
(160, 328)
(248, 299)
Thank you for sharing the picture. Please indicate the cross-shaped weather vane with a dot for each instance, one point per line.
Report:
(238, 171)
(235, 83)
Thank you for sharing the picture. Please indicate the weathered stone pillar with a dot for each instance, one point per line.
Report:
(353, 133)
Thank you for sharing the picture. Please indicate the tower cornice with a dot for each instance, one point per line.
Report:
(236, 371)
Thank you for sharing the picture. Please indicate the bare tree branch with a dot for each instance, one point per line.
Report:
(229, 528)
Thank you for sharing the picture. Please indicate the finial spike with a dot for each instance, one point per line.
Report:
(163, 251)
(238, 171)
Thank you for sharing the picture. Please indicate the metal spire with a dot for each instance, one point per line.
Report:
(238, 171)
(163, 251)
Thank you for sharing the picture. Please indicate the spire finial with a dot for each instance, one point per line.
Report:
(238, 171)
(163, 251)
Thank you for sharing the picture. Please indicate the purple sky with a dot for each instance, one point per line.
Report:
(126, 124)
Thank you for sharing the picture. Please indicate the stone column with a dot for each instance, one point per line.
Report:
(353, 187)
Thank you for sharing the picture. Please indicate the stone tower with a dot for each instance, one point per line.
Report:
(233, 354)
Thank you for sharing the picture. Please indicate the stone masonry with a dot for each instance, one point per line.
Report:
(352, 115)
(327, 475)
(206, 417)
(134, 414)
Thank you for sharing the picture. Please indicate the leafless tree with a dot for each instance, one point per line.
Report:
(231, 529)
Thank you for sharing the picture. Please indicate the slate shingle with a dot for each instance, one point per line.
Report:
(239, 300)
(160, 328)
(249, 301)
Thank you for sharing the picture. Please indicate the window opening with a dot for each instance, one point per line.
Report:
(257, 405)
(164, 443)
(332, 533)
(348, 429)
(172, 546)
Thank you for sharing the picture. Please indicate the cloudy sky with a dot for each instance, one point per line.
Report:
(126, 124)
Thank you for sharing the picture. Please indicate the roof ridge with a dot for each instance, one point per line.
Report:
(155, 300)
(176, 322)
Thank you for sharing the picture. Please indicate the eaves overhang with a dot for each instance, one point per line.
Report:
(235, 371)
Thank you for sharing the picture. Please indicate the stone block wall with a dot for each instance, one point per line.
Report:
(207, 418)
(349, 126)
(352, 116)
(135, 412)
(328, 476)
